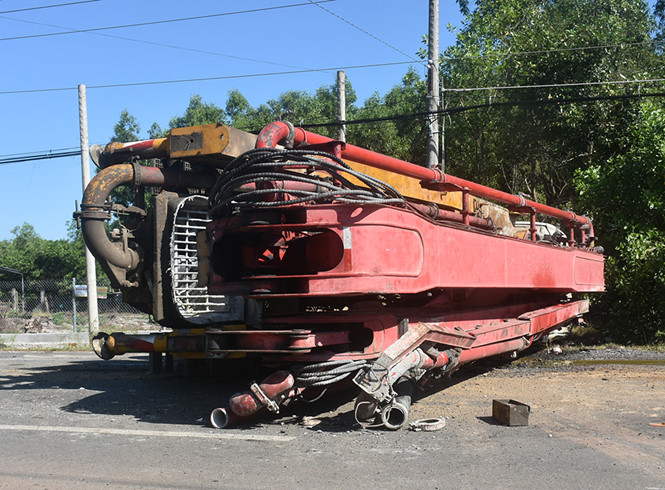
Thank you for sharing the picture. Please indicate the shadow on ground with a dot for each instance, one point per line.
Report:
(125, 387)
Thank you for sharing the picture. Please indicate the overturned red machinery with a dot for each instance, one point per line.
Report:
(332, 261)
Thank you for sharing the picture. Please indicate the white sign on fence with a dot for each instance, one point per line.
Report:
(81, 291)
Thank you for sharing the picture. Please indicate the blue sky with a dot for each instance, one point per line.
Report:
(42, 193)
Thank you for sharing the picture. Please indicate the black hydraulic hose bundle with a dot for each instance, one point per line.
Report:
(325, 373)
(275, 165)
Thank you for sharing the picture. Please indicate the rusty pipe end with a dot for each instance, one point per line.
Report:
(102, 347)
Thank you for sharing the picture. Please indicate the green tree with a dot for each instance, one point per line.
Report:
(126, 129)
(627, 198)
(610, 149)
(39, 258)
(197, 113)
(534, 43)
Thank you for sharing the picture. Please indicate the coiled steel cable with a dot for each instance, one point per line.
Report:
(326, 373)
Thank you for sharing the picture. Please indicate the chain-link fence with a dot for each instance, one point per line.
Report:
(52, 305)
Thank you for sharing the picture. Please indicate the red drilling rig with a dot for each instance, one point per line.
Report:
(329, 261)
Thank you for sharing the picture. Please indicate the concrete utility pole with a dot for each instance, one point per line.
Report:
(91, 273)
(341, 105)
(433, 85)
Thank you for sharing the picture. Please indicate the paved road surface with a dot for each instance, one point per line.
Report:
(69, 420)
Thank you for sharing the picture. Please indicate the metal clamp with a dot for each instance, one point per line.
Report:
(263, 398)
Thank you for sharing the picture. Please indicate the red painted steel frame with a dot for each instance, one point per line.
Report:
(379, 249)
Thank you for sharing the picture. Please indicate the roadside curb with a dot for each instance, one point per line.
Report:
(43, 340)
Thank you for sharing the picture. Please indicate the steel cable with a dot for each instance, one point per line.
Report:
(326, 373)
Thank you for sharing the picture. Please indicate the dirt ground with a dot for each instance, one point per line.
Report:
(626, 392)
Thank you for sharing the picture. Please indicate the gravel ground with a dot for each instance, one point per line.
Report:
(599, 354)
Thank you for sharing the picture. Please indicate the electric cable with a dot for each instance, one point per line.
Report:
(362, 30)
(554, 50)
(43, 156)
(38, 152)
(165, 21)
(206, 79)
(47, 6)
(555, 85)
(163, 45)
(457, 110)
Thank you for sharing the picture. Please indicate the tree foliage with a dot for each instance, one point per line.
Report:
(610, 150)
(536, 148)
(126, 129)
(627, 198)
(38, 258)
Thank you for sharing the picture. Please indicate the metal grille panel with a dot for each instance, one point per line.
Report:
(193, 302)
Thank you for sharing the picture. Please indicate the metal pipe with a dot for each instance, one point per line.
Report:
(433, 211)
(221, 418)
(265, 395)
(116, 152)
(396, 414)
(108, 346)
(277, 131)
(94, 210)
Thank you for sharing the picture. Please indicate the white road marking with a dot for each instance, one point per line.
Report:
(141, 432)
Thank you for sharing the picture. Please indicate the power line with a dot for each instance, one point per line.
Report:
(166, 21)
(457, 110)
(555, 50)
(555, 85)
(47, 6)
(362, 30)
(40, 156)
(205, 79)
(38, 151)
(314, 70)
(154, 43)
(250, 75)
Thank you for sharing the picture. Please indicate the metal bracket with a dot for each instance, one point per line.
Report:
(263, 398)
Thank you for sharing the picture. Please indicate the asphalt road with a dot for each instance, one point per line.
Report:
(69, 420)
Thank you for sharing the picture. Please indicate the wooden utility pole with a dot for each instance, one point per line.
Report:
(341, 105)
(91, 273)
(433, 85)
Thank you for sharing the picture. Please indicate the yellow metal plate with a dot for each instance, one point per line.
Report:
(209, 139)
